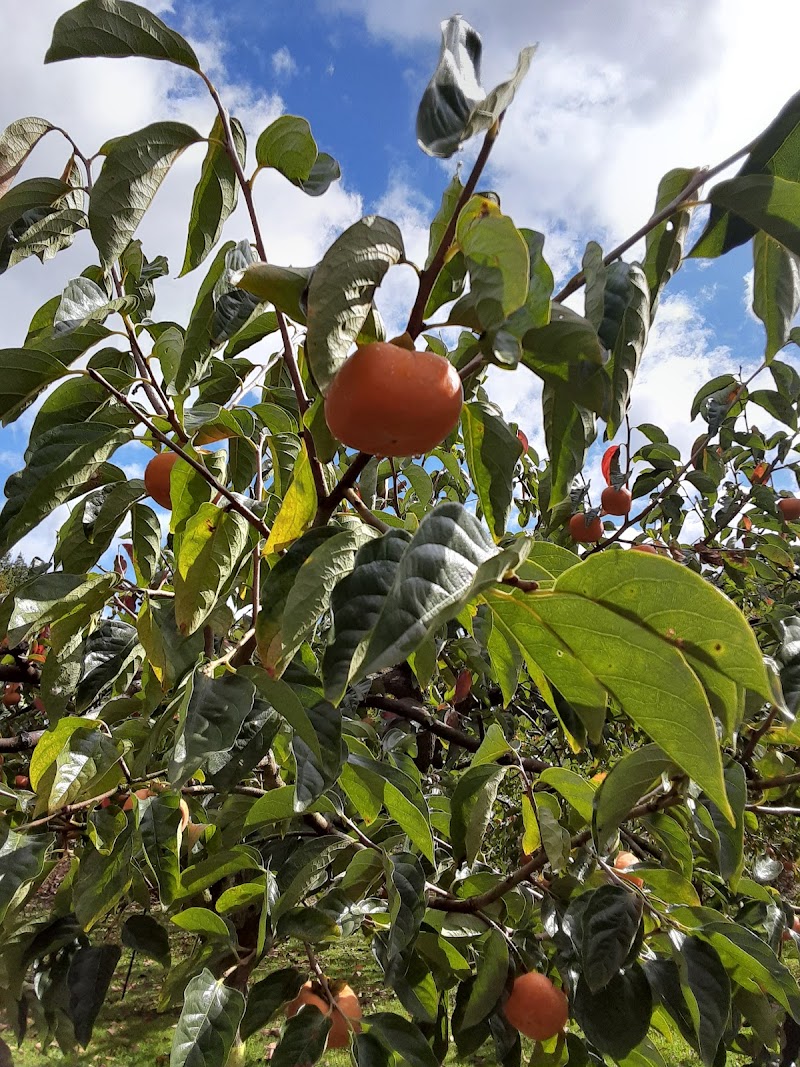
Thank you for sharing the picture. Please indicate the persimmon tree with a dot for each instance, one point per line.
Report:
(410, 700)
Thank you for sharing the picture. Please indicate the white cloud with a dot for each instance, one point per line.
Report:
(283, 63)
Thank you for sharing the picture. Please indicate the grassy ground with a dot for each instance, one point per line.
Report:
(129, 1031)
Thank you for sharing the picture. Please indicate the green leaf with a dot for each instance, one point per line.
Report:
(323, 174)
(169, 654)
(70, 758)
(401, 1037)
(60, 464)
(208, 1023)
(610, 922)
(490, 979)
(286, 288)
(49, 597)
(357, 602)
(25, 373)
(286, 702)
(664, 243)
(159, 826)
(146, 539)
(454, 106)
(405, 886)
(615, 1019)
(17, 141)
(309, 594)
(116, 28)
(302, 1039)
(471, 807)
(731, 838)
(202, 921)
(208, 551)
(82, 302)
(108, 651)
(774, 151)
(316, 773)
(626, 783)
(288, 145)
(215, 196)
(764, 202)
(298, 507)
(752, 964)
(215, 868)
(90, 972)
(492, 452)
(267, 996)
(134, 168)
(144, 935)
(413, 822)
(214, 715)
(197, 346)
(341, 291)
(35, 194)
(573, 788)
(626, 321)
(776, 290)
(496, 257)
(569, 430)
(101, 881)
(707, 990)
(22, 860)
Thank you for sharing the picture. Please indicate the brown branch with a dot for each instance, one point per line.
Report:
(233, 502)
(22, 742)
(760, 784)
(328, 505)
(427, 278)
(25, 672)
(414, 712)
(371, 520)
(691, 187)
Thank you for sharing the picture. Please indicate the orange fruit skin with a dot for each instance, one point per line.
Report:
(616, 501)
(790, 508)
(388, 401)
(536, 1007)
(11, 697)
(625, 860)
(583, 532)
(22, 781)
(156, 478)
(650, 549)
(141, 794)
(348, 1005)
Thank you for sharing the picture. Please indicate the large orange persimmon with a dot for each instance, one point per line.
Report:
(157, 475)
(346, 1016)
(536, 1007)
(388, 401)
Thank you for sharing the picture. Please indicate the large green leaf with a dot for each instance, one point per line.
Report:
(48, 597)
(32, 195)
(25, 373)
(664, 243)
(116, 28)
(208, 551)
(774, 151)
(626, 321)
(215, 194)
(492, 452)
(22, 860)
(471, 808)
(170, 654)
(610, 923)
(616, 1018)
(215, 712)
(288, 145)
(569, 430)
(766, 203)
(286, 288)
(196, 353)
(17, 141)
(707, 991)
(776, 290)
(752, 964)
(90, 972)
(134, 168)
(159, 825)
(208, 1023)
(626, 783)
(108, 651)
(490, 980)
(267, 996)
(302, 1039)
(101, 881)
(341, 290)
(60, 464)
(71, 759)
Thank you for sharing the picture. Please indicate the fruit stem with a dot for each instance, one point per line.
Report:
(347, 481)
(427, 278)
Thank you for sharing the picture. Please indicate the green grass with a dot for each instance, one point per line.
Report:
(130, 1031)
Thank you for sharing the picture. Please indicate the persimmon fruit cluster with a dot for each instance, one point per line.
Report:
(536, 1007)
(345, 1018)
(157, 475)
(389, 401)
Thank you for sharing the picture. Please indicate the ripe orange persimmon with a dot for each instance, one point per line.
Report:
(157, 475)
(536, 1007)
(583, 532)
(11, 696)
(22, 781)
(623, 861)
(651, 549)
(346, 1016)
(790, 508)
(140, 794)
(616, 501)
(391, 402)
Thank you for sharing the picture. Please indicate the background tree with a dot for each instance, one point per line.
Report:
(346, 695)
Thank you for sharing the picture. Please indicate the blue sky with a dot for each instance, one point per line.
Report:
(618, 93)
